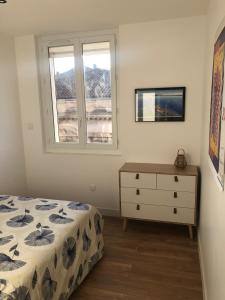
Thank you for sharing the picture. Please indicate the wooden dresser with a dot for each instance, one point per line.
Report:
(159, 192)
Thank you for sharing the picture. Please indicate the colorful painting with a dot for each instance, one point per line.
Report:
(216, 115)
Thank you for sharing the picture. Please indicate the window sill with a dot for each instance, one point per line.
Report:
(84, 152)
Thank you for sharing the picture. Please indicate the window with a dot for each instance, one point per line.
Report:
(79, 92)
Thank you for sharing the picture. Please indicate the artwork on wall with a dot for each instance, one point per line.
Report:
(217, 112)
(160, 104)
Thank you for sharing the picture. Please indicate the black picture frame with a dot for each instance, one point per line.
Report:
(168, 104)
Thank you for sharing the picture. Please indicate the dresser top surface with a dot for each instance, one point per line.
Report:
(167, 169)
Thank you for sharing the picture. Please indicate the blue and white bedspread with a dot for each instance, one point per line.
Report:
(47, 247)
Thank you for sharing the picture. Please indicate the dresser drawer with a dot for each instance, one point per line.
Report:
(138, 180)
(158, 213)
(158, 197)
(176, 183)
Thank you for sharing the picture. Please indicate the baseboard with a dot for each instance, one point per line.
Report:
(202, 268)
(109, 212)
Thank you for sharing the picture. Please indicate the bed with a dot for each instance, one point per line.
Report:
(47, 247)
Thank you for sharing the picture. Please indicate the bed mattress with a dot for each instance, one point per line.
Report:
(47, 247)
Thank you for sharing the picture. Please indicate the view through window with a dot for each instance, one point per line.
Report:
(93, 107)
(97, 82)
(62, 67)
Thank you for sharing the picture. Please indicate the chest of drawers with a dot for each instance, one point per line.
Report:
(159, 192)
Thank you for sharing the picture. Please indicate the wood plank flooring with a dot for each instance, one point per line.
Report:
(151, 261)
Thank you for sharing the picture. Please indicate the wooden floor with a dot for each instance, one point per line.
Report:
(151, 261)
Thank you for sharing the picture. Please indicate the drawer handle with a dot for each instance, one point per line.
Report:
(138, 207)
(175, 194)
(175, 211)
(175, 178)
(137, 176)
(137, 192)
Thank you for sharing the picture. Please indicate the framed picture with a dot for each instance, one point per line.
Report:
(160, 104)
(217, 111)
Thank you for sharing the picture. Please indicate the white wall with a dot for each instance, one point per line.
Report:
(166, 53)
(12, 170)
(212, 227)
(157, 54)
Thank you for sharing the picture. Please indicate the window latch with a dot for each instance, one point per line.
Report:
(79, 122)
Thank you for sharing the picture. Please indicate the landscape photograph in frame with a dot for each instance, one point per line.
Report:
(160, 104)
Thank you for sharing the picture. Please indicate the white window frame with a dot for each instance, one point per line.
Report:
(77, 40)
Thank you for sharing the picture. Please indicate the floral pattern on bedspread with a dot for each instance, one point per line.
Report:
(47, 247)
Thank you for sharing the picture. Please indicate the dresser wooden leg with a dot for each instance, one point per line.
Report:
(190, 232)
(125, 224)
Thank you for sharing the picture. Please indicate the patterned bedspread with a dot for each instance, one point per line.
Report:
(47, 247)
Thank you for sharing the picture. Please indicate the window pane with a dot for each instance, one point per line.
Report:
(62, 67)
(98, 102)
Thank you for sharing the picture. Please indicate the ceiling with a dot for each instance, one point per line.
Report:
(19, 17)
